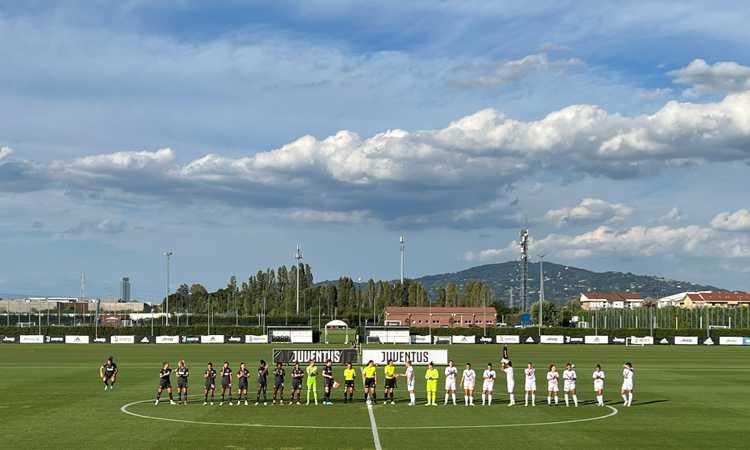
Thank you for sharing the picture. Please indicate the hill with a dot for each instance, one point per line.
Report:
(561, 282)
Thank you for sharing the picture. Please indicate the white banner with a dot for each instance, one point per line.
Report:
(646, 340)
(167, 339)
(417, 357)
(391, 336)
(596, 339)
(31, 339)
(76, 339)
(254, 339)
(507, 339)
(686, 340)
(122, 340)
(551, 339)
(301, 336)
(420, 339)
(212, 339)
(464, 339)
(730, 340)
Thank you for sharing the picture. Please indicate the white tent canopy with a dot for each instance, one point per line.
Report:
(337, 324)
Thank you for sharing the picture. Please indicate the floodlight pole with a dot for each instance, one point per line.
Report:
(541, 292)
(168, 254)
(298, 257)
(402, 245)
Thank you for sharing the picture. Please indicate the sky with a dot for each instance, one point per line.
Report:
(229, 132)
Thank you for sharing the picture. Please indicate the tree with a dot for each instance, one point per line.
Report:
(549, 313)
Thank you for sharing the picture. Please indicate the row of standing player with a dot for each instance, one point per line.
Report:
(369, 374)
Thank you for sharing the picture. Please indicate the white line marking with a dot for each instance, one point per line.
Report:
(374, 428)
(124, 409)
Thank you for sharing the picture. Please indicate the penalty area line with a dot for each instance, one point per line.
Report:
(374, 428)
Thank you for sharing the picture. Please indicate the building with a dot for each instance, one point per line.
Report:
(440, 317)
(675, 300)
(119, 307)
(692, 300)
(610, 300)
(125, 290)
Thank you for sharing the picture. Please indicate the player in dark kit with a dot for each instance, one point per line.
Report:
(226, 382)
(165, 383)
(297, 375)
(242, 375)
(210, 376)
(108, 373)
(278, 383)
(327, 382)
(262, 383)
(182, 382)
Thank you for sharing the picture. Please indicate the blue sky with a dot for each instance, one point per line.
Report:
(228, 132)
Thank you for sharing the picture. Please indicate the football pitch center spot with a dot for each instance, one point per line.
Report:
(126, 408)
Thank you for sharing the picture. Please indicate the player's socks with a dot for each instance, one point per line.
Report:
(630, 398)
(600, 400)
(412, 397)
(446, 398)
(533, 399)
(512, 399)
(625, 399)
(489, 399)
(566, 400)
(575, 400)
(453, 397)
(549, 400)
(466, 400)
(557, 400)
(526, 399)
(484, 398)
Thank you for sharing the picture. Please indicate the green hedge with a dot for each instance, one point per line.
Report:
(620, 332)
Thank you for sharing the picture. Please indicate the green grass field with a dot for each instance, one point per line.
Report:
(686, 397)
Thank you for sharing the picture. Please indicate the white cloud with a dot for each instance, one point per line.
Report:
(721, 77)
(732, 221)
(5, 152)
(513, 70)
(659, 241)
(589, 211)
(673, 215)
(104, 226)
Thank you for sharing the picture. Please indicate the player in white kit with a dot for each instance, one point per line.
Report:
(530, 384)
(488, 383)
(510, 382)
(599, 385)
(627, 384)
(451, 371)
(468, 377)
(553, 384)
(410, 382)
(569, 384)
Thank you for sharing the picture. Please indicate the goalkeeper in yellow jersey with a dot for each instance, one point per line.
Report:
(431, 375)
(312, 381)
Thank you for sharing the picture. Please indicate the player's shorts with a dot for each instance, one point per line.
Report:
(530, 386)
(569, 386)
(163, 384)
(598, 385)
(225, 384)
(432, 386)
(262, 384)
(369, 382)
(242, 384)
(182, 383)
(296, 384)
(278, 385)
(210, 386)
(553, 387)
(468, 386)
(511, 387)
(410, 385)
(488, 386)
(109, 378)
(349, 383)
(390, 383)
(312, 382)
(450, 385)
(627, 386)
(329, 382)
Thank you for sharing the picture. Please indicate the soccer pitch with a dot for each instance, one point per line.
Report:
(685, 397)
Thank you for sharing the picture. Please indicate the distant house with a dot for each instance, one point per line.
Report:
(610, 300)
(713, 300)
(676, 300)
(440, 317)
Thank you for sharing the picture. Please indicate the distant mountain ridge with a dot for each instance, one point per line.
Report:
(561, 282)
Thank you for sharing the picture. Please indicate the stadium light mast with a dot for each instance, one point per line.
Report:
(523, 242)
(541, 291)
(168, 254)
(298, 257)
(402, 246)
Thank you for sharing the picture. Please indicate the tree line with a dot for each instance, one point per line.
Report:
(273, 293)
